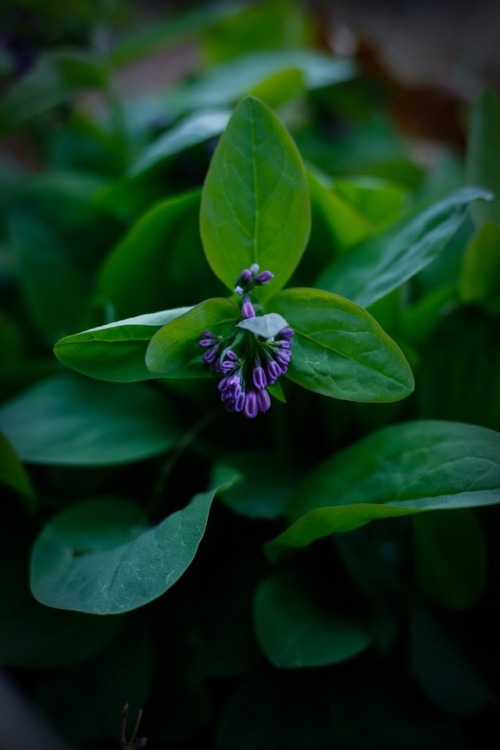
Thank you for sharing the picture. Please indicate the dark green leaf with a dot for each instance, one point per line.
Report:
(13, 473)
(450, 562)
(75, 422)
(100, 557)
(398, 470)
(255, 204)
(339, 350)
(174, 350)
(385, 261)
(115, 351)
(480, 277)
(293, 631)
(483, 154)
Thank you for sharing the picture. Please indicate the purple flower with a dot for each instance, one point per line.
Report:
(247, 308)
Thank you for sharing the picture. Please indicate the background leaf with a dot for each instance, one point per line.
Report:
(483, 153)
(174, 351)
(385, 261)
(398, 470)
(13, 473)
(255, 205)
(480, 276)
(117, 350)
(339, 350)
(68, 421)
(293, 631)
(100, 557)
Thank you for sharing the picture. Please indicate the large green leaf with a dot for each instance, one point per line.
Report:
(483, 153)
(340, 350)
(255, 204)
(117, 350)
(383, 262)
(294, 631)
(101, 557)
(75, 422)
(398, 470)
(174, 350)
(145, 271)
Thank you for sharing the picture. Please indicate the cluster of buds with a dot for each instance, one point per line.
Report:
(248, 361)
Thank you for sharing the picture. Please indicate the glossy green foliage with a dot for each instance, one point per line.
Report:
(382, 263)
(400, 470)
(66, 421)
(115, 351)
(255, 205)
(174, 350)
(101, 557)
(340, 350)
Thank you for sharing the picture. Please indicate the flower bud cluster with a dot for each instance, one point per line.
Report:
(246, 362)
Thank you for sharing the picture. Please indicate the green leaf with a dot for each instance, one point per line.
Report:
(174, 350)
(56, 77)
(266, 326)
(480, 277)
(483, 154)
(13, 473)
(148, 269)
(68, 421)
(100, 557)
(399, 470)
(116, 351)
(194, 129)
(339, 350)
(255, 204)
(450, 563)
(294, 631)
(383, 262)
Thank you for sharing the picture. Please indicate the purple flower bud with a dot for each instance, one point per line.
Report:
(287, 332)
(259, 378)
(264, 277)
(231, 355)
(283, 358)
(210, 355)
(263, 400)
(245, 276)
(206, 342)
(239, 401)
(247, 309)
(273, 371)
(285, 344)
(238, 289)
(251, 408)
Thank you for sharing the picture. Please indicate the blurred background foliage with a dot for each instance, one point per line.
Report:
(109, 116)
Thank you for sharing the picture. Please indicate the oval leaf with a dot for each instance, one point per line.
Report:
(293, 631)
(255, 203)
(174, 351)
(340, 350)
(99, 556)
(73, 422)
(382, 263)
(399, 470)
(116, 351)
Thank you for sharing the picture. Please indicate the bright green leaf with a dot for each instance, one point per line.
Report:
(117, 350)
(100, 557)
(174, 351)
(294, 631)
(339, 350)
(398, 470)
(385, 261)
(68, 421)
(480, 277)
(450, 563)
(483, 154)
(255, 204)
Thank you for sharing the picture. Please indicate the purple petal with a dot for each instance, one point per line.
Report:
(251, 408)
(247, 309)
(259, 378)
(264, 277)
(263, 400)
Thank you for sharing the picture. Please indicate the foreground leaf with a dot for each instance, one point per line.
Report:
(255, 204)
(67, 421)
(399, 470)
(385, 261)
(174, 350)
(100, 557)
(293, 631)
(116, 351)
(339, 350)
